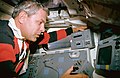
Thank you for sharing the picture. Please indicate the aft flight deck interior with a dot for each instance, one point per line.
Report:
(95, 51)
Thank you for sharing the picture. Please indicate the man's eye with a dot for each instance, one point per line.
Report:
(40, 23)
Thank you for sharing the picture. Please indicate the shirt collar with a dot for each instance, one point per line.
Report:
(14, 28)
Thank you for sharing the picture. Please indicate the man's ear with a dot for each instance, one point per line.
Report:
(22, 16)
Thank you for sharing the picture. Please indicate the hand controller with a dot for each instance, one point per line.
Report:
(83, 67)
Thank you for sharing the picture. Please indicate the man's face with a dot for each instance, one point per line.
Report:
(34, 25)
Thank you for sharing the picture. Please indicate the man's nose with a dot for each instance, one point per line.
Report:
(42, 28)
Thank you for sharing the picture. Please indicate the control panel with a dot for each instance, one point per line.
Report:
(82, 39)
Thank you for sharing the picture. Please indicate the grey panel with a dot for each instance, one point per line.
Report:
(84, 39)
(108, 54)
(55, 64)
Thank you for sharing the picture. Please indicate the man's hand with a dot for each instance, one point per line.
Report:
(68, 75)
(79, 28)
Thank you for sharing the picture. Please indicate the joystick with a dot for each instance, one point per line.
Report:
(83, 67)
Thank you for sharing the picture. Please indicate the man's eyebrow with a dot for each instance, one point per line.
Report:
(43, 20)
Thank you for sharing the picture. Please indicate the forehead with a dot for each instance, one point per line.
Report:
(40, 15)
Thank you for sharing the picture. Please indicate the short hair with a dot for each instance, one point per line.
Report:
(29, 6)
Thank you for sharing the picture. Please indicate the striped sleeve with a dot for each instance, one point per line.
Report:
(56, 35)
(6, 47)
(7, 53)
